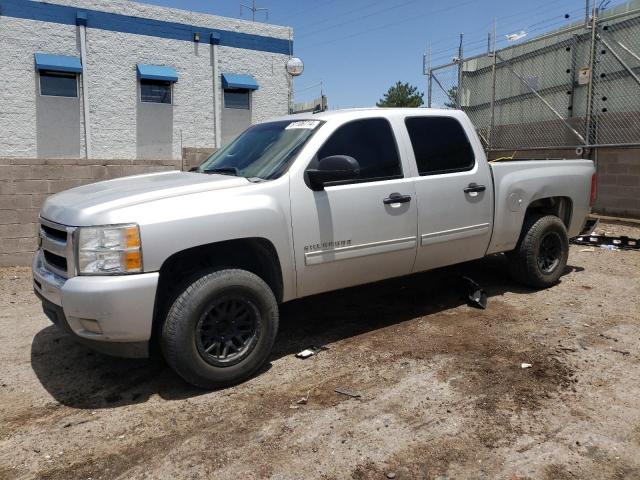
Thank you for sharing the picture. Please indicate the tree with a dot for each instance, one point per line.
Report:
(452, 95)
(401, 95)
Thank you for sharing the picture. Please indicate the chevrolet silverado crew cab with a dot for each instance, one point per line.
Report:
(197, 262)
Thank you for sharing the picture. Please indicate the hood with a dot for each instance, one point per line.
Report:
(77, 206)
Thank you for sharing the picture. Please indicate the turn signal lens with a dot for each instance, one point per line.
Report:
(133, 261)
(132, 237)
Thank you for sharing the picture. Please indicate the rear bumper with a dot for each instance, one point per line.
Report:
(111, 314)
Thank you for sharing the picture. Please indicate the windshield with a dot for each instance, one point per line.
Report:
(262, 151)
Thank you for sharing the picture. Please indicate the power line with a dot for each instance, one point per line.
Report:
(315, 7)
(404, 20)
(502, 42)
(348, 12)
(506, 31)
(513, 25)
(377, 12)
(541, 25)
(481, 38)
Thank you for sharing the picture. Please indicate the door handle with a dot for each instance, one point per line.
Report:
(474, 187)
(396, 198)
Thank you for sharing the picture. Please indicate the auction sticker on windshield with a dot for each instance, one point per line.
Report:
(305, 124)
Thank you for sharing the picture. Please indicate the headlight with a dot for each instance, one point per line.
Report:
(112, 249)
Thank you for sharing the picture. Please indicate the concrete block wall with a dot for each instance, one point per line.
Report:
(26, 183)
(619, 182)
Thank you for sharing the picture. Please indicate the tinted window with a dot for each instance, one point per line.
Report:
(371, 143)
(440, 145)
(155, 91)
(236, 99)
(58, 84)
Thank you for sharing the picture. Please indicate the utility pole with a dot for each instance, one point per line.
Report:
(458, 98)
(492, 117)
(254, 9)
(426, 70)
(588, 134)
(587, 11)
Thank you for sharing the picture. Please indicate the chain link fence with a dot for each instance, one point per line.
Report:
(575, 87)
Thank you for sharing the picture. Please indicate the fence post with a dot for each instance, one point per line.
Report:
(493, 92)
(588, 137)
(460, 62)
(429, 88)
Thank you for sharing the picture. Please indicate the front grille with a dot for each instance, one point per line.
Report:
(55, 260)
(55, 241)
(60, 235)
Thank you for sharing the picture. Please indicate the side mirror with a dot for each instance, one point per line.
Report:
(333, 169)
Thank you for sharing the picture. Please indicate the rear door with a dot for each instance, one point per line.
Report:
(354, 233)
(453, 189)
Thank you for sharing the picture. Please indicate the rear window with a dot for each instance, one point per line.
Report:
(440, 145)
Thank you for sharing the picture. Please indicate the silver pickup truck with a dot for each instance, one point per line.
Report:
(197, 262)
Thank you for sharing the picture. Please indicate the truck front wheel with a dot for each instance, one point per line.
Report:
(221, 328)
(541, 254)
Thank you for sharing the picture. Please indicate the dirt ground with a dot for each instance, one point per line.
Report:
(443, 394)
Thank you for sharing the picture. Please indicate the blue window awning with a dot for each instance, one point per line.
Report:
(232, 80)
(58, 63)
(157, 72)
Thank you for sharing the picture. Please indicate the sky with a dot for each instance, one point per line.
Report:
(359, 48)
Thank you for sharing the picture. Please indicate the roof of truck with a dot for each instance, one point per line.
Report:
(354, 113)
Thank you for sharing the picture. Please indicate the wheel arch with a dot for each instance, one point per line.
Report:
(561, 207)
(255, 254)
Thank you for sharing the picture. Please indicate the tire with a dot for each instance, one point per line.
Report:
(541, 254)
(232, 309)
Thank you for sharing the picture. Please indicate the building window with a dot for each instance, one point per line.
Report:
(155, 91)
(58, 84)
(240, 99)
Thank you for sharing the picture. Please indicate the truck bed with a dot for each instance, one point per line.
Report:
(518, 183)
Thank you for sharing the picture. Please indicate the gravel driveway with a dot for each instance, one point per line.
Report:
(442, 390)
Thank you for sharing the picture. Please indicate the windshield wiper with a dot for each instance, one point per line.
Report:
(223, 171)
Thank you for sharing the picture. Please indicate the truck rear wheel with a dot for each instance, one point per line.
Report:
(542, 251)
(221, 328)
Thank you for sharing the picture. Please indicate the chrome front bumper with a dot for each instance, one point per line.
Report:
(100, 309)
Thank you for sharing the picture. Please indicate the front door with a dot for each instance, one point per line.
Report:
(454, 193)
(355, 233)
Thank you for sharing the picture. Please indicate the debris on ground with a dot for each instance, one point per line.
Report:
(391, 475)
(72, 424)
(310, 351)
(304, 400)
(623, 352)
(608, 337)
(622, 242)
(476, 296)
(588, 250)
(348, 393)
(526, 365)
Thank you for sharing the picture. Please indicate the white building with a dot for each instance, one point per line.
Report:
(122, 80)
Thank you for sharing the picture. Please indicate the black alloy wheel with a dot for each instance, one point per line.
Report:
(550, 252)
(228, 330)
